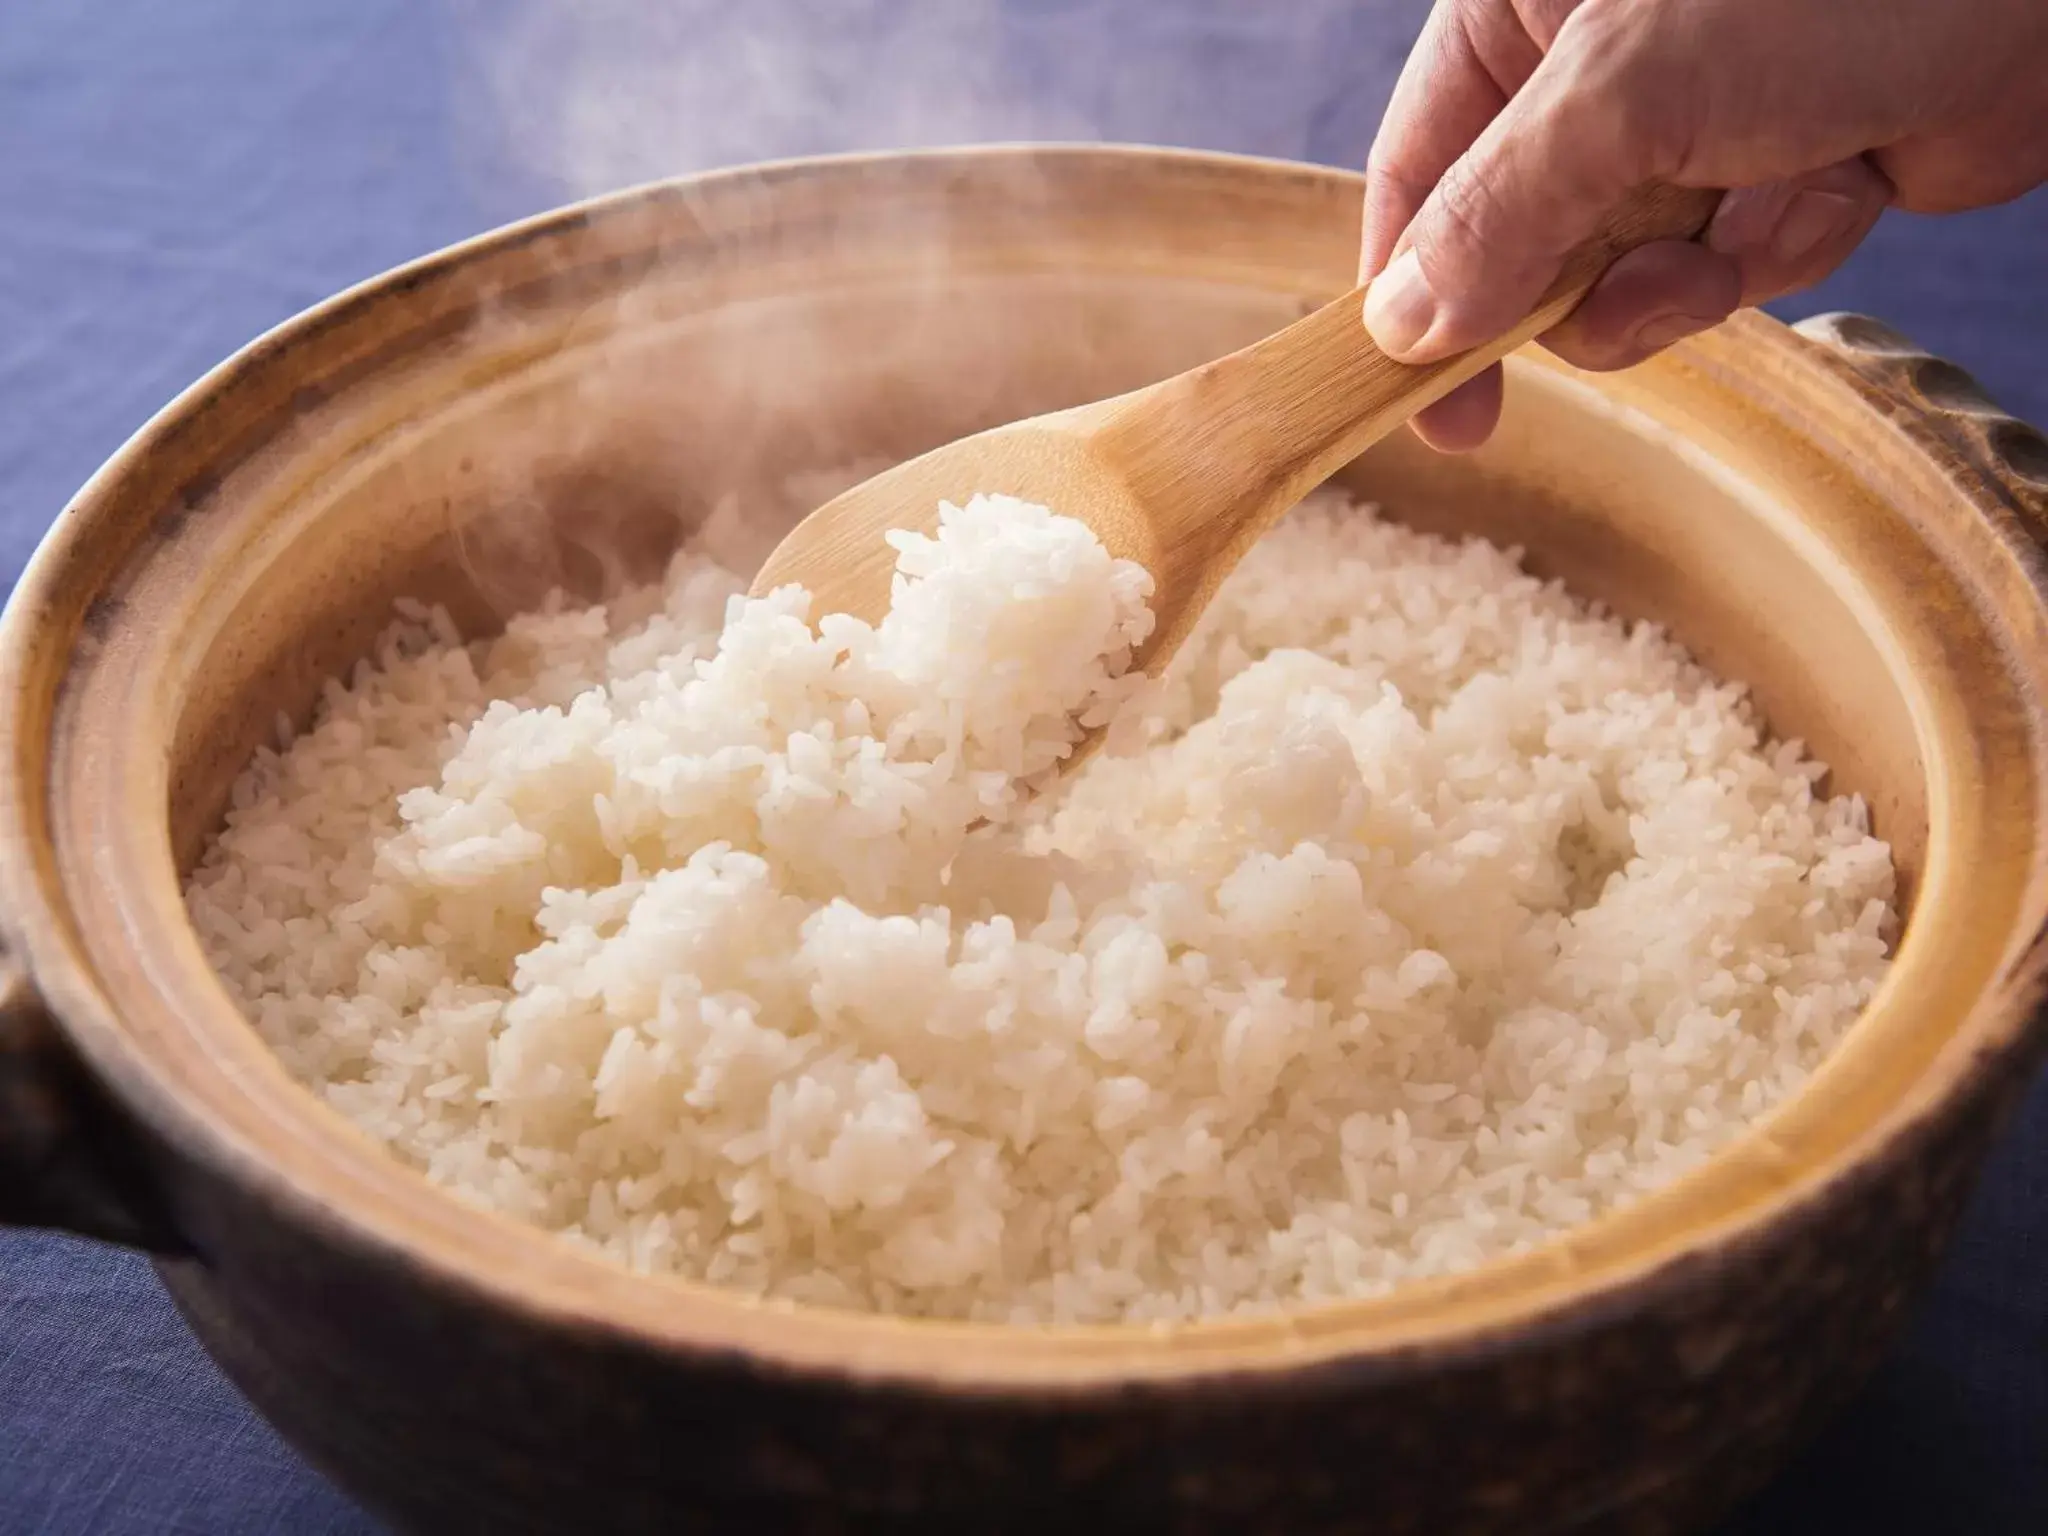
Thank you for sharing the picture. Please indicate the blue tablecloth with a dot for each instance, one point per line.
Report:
(176, 175)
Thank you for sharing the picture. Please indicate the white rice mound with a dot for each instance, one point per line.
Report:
(1425, 914)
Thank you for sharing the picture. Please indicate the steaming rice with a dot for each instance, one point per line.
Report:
(1423, 914)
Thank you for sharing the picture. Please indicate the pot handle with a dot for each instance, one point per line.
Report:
(2002, 450)
(66, 1160)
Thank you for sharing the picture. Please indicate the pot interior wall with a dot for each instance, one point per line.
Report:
(578, 448)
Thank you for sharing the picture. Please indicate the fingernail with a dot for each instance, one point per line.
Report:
(1809, 221)
(1399, 308)
(1659, 331)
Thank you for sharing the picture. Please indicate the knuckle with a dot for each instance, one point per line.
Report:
(1625, 72)
(1602, 36)
(1469, 211)
(1544, 19)
(1392, 176)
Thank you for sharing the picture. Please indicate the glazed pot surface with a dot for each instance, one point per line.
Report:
(563, 403)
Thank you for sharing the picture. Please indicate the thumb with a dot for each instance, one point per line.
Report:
(1592, 123)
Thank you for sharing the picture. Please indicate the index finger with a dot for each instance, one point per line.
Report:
(1443, 100)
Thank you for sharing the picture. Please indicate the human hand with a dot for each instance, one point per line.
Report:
(1518, 124)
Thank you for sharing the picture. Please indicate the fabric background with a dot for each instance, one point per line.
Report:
(178, 175)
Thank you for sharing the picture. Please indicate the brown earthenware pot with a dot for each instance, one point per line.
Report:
(1846, 523)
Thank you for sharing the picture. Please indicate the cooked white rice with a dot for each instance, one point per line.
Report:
(1424, 914)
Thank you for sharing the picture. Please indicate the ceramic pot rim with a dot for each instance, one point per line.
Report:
(1422, 1326)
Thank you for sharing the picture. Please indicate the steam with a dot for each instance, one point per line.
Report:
(588, 96)
(593, 95)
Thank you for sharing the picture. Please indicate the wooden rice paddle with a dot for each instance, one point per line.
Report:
(1183, 476)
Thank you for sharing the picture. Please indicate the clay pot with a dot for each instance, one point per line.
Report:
(1847, 524)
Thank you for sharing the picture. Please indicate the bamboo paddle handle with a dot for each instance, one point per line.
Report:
(1293, 409)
